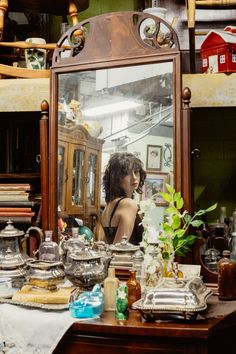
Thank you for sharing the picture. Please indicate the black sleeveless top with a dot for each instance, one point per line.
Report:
(110, 231)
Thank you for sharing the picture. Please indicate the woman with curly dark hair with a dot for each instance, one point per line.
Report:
(123, 176)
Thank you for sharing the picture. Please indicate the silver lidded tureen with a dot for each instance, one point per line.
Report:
(122, 254)
(171, 298)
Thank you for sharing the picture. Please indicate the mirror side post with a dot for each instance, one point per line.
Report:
(52, 160)
(44, 154)
(186, 150)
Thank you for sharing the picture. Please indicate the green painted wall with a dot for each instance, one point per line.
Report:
(214, 173)
(96, 7)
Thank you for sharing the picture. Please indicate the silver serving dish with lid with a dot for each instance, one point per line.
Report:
(171, 298)
(122, 254)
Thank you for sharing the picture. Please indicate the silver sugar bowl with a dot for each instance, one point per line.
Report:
(122, 254)
(86, 269)
(45, 274)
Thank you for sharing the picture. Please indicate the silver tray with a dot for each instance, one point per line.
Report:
(36, 305)
(181, 299)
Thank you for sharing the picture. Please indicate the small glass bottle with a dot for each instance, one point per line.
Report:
(137, 259)
(49, 250)
(226, 277)
(175, 272)
(205, 228)
(232, 246)
(134, 288)
(222, 214)
(111, 283)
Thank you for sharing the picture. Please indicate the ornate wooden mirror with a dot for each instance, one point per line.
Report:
(115, 86)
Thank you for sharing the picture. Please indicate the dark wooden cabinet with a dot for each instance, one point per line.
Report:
(79, 166)
(107, 335)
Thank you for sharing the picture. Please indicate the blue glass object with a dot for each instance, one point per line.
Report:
(89, 304)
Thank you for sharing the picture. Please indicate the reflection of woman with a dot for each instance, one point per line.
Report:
(124, 174)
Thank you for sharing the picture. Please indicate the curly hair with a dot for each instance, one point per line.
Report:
(119, 166)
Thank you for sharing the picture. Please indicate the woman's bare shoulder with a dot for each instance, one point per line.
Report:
(128, 202)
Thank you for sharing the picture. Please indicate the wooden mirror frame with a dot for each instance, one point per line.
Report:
(113, 40)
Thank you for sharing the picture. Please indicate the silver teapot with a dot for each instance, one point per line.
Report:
(13, 261)
(86, 268)
(68, 246)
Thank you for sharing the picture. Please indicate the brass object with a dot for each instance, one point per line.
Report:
(28, 294)
(45, 274)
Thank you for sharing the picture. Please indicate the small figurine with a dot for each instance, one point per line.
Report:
(89, 304)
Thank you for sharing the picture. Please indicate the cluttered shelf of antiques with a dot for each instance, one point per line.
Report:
(128, 278)
(81, 275)
(20, 186)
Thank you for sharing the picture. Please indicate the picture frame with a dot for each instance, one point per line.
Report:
(154, 183)
(154, 158)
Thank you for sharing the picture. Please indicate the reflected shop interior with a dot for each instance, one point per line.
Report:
(124, 109)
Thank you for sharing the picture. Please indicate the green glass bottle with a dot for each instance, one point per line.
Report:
(122, 309)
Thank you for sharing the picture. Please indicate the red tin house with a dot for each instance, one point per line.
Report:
(218, 51)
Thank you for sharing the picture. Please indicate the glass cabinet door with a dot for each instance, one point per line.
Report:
(62, 175)
(91, 178)
(77, 195)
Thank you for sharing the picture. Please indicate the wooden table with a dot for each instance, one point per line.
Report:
(214, 335)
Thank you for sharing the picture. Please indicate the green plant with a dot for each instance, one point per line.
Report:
(174, 237)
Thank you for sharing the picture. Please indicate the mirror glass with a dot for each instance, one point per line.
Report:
(103, 111)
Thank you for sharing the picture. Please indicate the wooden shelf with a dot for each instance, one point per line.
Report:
(20, 175)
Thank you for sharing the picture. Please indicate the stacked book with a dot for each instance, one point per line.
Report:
(15, 203)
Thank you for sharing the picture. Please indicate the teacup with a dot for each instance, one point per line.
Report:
(5, 285)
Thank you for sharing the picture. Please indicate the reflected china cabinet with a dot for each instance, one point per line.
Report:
(120, 72)
(79, 163)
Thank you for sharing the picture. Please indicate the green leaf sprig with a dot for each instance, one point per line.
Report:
(173, 236)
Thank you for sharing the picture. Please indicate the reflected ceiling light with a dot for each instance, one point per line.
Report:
(110, 108)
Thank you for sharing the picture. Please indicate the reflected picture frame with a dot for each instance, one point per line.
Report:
(154, 158)
(155, 183)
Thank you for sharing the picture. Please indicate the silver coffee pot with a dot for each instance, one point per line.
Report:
(13, 261)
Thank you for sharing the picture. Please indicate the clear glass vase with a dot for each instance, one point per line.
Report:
(151, 271)
(166, 267)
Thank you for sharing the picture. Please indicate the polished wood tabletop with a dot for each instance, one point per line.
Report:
(212, 332)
